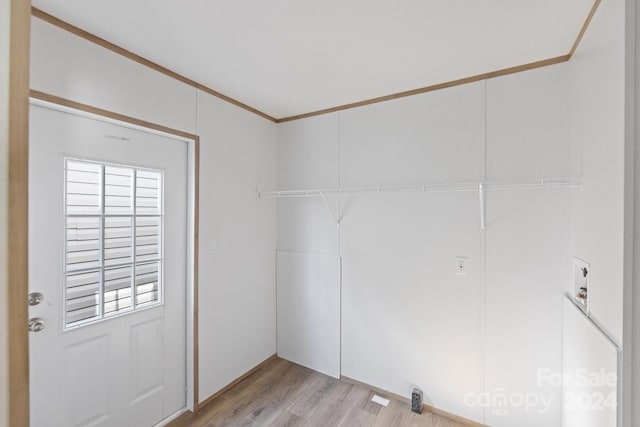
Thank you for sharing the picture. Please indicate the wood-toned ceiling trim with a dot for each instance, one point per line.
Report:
(452, 83)
(489, 75)
(583, 30)
(141, 60)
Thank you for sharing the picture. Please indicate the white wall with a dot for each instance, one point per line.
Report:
(526, 241)
(5, 8)
(237, 285)
(597, 123)
(308, 158)
(401, 297)
(597, 147)
(237, 156)
(407, 319)
(71, 67)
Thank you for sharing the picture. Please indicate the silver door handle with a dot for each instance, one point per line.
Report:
(35, 298)
(36, 324)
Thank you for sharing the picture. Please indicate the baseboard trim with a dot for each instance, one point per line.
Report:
(427, 408)
(172, 417)
(233, 383)
(185, 418)
(453, 417)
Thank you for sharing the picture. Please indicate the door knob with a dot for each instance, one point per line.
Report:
(35, 298)
(36, 324)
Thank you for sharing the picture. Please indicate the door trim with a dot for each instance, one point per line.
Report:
(17, 227)
(63, 102)
(194, 147)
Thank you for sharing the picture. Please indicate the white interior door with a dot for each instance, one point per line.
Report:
(108, 253)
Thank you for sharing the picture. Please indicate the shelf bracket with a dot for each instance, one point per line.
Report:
(483, 224)
(326, 203)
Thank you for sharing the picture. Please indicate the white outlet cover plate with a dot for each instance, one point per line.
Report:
(461, 266)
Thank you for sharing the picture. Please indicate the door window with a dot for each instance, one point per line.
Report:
(113, 219)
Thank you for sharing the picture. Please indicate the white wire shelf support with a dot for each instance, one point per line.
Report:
(468, 186)
(575, 182)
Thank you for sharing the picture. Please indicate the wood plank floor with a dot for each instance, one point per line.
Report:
(281, 393)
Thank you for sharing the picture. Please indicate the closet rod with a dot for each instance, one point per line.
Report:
(574, 182)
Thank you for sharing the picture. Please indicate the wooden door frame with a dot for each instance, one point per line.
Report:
(17, 236)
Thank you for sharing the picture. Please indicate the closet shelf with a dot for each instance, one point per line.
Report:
(574, 182)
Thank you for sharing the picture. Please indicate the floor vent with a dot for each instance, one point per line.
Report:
(380, 400)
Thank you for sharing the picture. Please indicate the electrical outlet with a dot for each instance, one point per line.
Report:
(461, 266)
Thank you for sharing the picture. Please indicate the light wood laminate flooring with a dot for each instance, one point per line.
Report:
(280, 393)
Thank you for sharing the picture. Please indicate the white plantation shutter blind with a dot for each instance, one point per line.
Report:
(113, 240)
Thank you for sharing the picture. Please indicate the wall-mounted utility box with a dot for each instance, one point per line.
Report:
(581, 280)
(416, 401)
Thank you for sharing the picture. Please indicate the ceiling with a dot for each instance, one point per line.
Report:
(288, 57)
